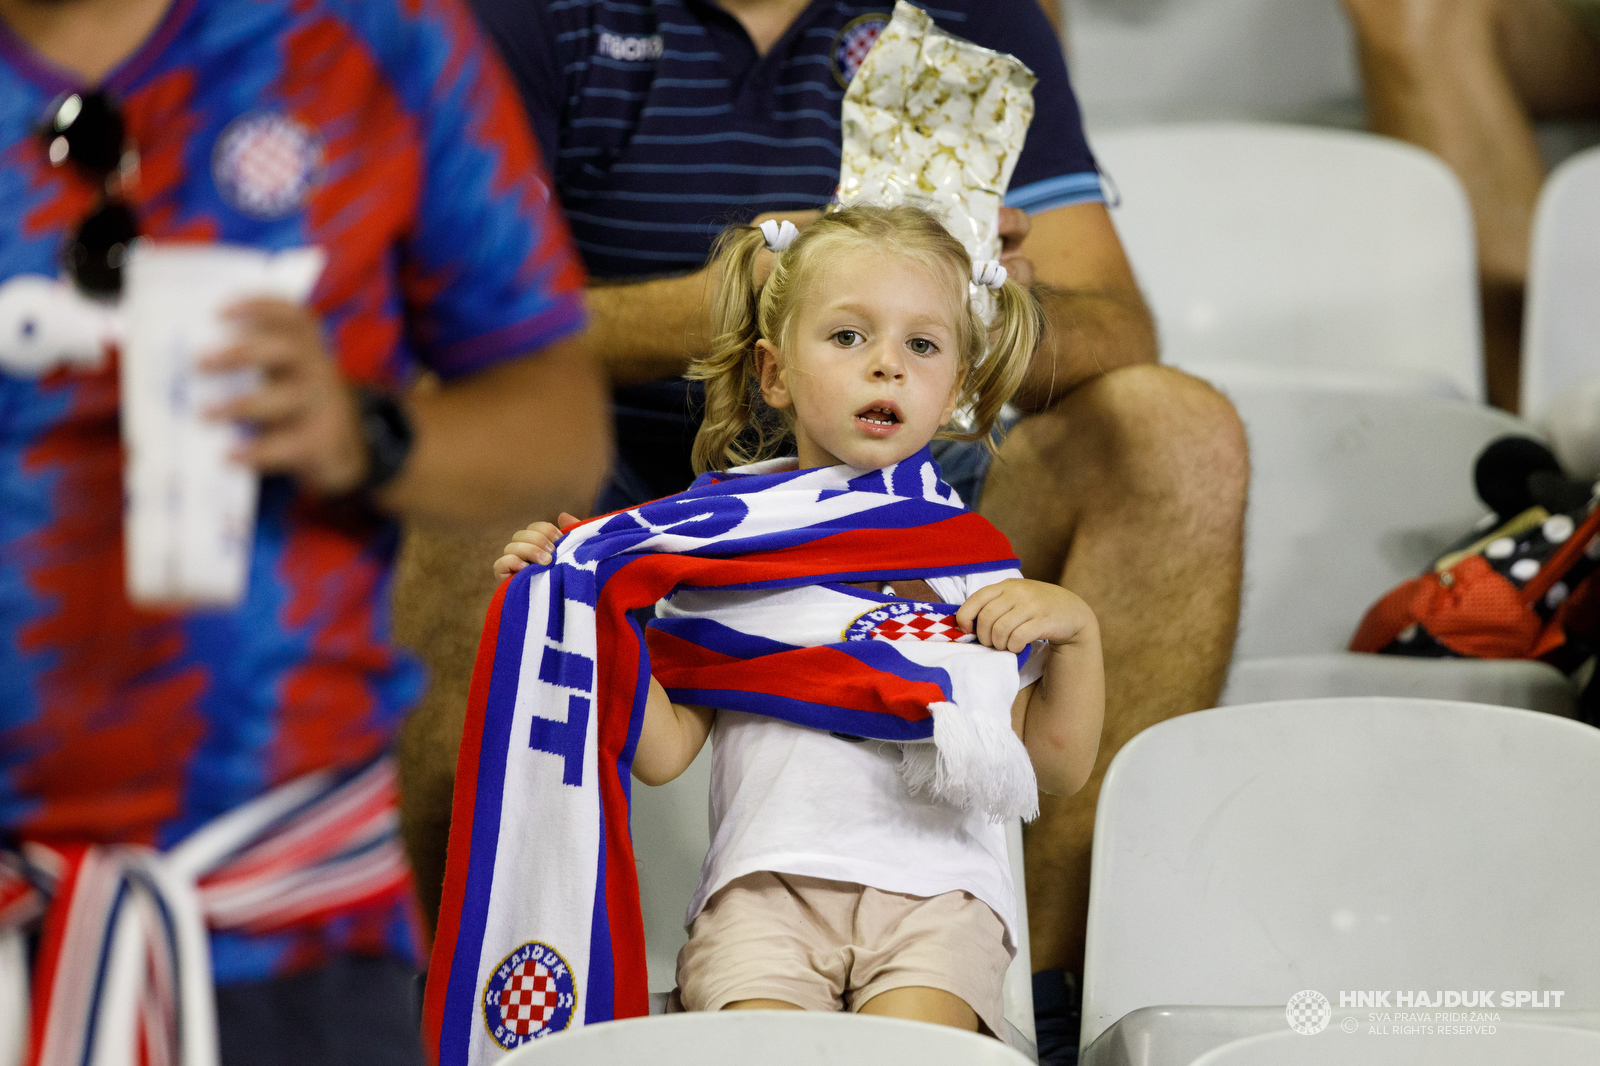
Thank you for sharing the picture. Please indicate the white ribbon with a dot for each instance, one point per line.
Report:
(988, 273)
(779, 234)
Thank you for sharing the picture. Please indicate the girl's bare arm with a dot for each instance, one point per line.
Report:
(1059, 717)
(672, 735)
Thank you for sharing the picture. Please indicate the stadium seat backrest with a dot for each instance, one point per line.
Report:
(1351, 492)
(1171, 60)
(764, 1038)
(1561, 324)
(1246, 854)
(1293, 247)
(670, 837)
(1545, 1044)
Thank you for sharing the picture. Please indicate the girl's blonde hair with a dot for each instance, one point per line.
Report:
(740, 428)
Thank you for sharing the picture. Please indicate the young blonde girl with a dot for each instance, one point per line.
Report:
(828, 886)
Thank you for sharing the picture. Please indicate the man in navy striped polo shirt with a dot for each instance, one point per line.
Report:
(666, 121)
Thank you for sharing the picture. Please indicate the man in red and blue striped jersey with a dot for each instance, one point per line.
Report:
(387, 133)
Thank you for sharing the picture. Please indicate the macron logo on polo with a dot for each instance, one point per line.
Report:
(630, 48)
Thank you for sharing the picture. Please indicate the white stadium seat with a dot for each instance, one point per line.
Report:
(764, 1038)
(1547, 1045)
(1213, 1036)
(671, 833)
(1172, 60)
(1341, 254)
(1246, 854)
(1561, 326)
(1523, 683)
(1351, 493)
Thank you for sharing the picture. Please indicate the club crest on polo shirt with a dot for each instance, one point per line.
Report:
(265, 164)
(529, 995)
(908, 621)
(852, 43)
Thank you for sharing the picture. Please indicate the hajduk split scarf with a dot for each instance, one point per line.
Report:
(540, 926)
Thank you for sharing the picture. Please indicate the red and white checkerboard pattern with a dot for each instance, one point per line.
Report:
(934, 627)
(265, 164)
(528, 999)
(853, 48)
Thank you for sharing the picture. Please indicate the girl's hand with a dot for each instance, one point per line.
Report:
(536, 544)
(1059, 718)
(1009, 615)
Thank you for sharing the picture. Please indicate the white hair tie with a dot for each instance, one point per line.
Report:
(989, 273)
(779, 234)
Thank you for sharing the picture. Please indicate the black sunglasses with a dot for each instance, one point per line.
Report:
(87, 130)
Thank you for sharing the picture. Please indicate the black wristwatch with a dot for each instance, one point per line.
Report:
(388, 435)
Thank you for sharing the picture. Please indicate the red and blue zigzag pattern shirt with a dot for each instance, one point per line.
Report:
(386, 132)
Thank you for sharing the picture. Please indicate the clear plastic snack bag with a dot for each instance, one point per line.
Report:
(937, 121)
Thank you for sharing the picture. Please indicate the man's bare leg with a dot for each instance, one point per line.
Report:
(443, 584)
(1131, 493)
(1465, 79)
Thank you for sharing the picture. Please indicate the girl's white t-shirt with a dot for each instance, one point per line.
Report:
(790, 799)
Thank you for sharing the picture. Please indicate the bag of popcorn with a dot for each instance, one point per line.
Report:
(936, 121)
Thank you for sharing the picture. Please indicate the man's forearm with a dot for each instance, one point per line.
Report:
(647, 330)
(511, 444)
(1087, 333)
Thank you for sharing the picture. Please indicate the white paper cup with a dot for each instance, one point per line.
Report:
(190, 512)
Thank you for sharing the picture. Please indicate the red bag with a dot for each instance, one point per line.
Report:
(1521, 591)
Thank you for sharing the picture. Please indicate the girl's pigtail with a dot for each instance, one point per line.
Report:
(728, 369)
(1018, 325)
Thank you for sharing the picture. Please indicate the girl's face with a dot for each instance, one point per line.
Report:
(872, 370)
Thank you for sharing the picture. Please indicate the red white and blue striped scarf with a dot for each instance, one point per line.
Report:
(122, 974)
(540, 925)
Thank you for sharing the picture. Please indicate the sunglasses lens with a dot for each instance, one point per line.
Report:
(87, 129)
(95, 254)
